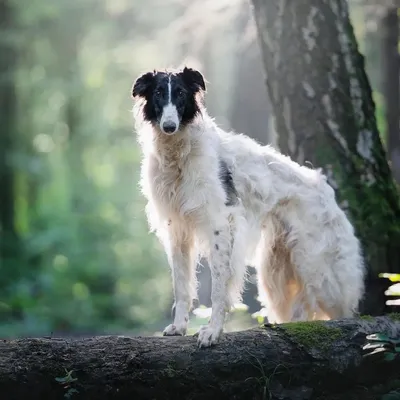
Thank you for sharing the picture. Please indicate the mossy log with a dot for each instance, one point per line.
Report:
(312, 360)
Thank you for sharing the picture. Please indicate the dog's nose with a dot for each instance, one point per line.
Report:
(169, 127)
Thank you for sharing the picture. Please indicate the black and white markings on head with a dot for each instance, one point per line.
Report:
(170, 98)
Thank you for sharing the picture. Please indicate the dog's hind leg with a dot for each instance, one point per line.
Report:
(279, 287)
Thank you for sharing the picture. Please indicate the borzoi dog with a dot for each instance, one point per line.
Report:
(225, 197)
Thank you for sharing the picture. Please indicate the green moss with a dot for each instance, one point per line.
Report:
(367, 317)
(313, 334)
(394, 316)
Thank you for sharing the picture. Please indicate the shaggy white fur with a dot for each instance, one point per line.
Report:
(286, 223)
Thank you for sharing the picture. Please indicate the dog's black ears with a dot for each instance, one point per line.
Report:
(143, 84)
(194, 79)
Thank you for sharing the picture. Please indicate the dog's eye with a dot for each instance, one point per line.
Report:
(181, 93)
(158, 93)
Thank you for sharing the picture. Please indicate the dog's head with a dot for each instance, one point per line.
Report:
(170, 99)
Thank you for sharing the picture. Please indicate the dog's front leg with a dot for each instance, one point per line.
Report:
(220, 265)
(180, 256)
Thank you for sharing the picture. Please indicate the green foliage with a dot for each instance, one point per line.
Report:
(393, 290)
(391, 277)
(67, 378)
(84, 261)
(67, 382)
(382, 345)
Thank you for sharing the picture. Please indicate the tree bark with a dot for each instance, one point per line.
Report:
(324, 114)
(314, 360)
(391, 86)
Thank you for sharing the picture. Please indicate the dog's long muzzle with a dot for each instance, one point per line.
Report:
(169, 123)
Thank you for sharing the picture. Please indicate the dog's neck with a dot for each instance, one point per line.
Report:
(172, 149)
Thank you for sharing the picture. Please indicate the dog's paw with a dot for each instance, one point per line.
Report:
(175, 330)
(207, 336)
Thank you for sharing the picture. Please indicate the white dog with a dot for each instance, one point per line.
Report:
(227, 198)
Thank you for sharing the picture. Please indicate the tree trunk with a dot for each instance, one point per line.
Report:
(311, 360)
(324, 114)
(8, 118)
(391, 86)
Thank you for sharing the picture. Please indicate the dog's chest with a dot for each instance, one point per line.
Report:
(176, 187)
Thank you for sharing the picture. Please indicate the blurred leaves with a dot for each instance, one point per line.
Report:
(380, 344)
(391, 277)
(393, 290)
(86, 262)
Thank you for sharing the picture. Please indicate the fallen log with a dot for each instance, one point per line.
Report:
(298, 361)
